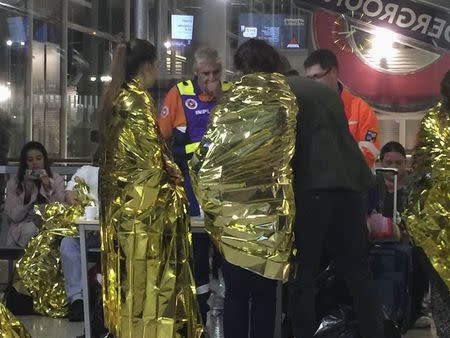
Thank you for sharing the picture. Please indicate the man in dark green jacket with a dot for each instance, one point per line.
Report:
(331, 179)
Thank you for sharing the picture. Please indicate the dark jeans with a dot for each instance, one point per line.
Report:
(201, 244)
(334, 221)
(241, 286)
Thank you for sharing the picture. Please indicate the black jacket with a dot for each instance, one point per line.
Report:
(326, 155)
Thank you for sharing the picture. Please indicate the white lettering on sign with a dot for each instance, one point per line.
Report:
(202, 112)
(390, 11)
(405, 21)
(423, 21)
(447, 33)
(354, 7)
(437, 29)
(294, 22)
(370, 12)
(416, 18)
(250, 32)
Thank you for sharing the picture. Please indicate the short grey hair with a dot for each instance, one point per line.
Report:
(206, 55)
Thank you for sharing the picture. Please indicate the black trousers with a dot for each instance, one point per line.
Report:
(241, 286)
(201, 244)
(420, 284)
(333, 221)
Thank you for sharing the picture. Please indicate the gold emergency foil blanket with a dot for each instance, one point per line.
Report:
(428, 213)
(242, 174)
(10, 327)
(39, 271)
(149, 289)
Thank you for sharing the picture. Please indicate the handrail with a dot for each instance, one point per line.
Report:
(55, 160)
(62, 170)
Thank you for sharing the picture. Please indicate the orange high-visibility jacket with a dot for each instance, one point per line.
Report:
(172, 114)
(363, 125)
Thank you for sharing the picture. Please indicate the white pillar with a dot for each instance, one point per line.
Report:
(141, 19)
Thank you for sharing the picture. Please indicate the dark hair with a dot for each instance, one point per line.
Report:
(32, 145)
(323, 57)
(286, 68)
(392, 147)
(445, 88)
(128, 59)
(257, 56)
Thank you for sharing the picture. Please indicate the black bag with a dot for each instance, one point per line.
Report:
(338, 324)
(18, 303)
(392, 270)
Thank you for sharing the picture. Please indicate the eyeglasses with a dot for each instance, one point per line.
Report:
(319, 76)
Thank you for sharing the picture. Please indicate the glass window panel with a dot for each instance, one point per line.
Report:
(46, 78)
(35, 95)
(81, 13)
(50, 10)
(14, 45)
(89, 59)
(103, 15)
(288, 23)
(111, 18)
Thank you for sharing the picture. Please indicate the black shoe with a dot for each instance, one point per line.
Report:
(76, 313)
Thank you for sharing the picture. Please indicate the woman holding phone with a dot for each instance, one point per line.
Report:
(33, 184)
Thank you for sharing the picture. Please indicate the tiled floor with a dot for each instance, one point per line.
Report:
(43, 327)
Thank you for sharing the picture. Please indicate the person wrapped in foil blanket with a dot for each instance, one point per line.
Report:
(243, 178)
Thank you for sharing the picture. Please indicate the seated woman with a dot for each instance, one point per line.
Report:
(393, 155)
(34, 184)
(381, 198)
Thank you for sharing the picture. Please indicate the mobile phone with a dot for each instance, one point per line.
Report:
(35, 174)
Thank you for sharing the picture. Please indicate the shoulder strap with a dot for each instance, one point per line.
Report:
(226, 85)
(186, 88)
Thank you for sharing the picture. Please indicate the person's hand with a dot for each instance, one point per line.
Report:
(175, 175)
(213, 89)
(45, 181)
(71, 197)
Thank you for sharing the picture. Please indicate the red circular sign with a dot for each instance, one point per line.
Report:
(394, 92)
